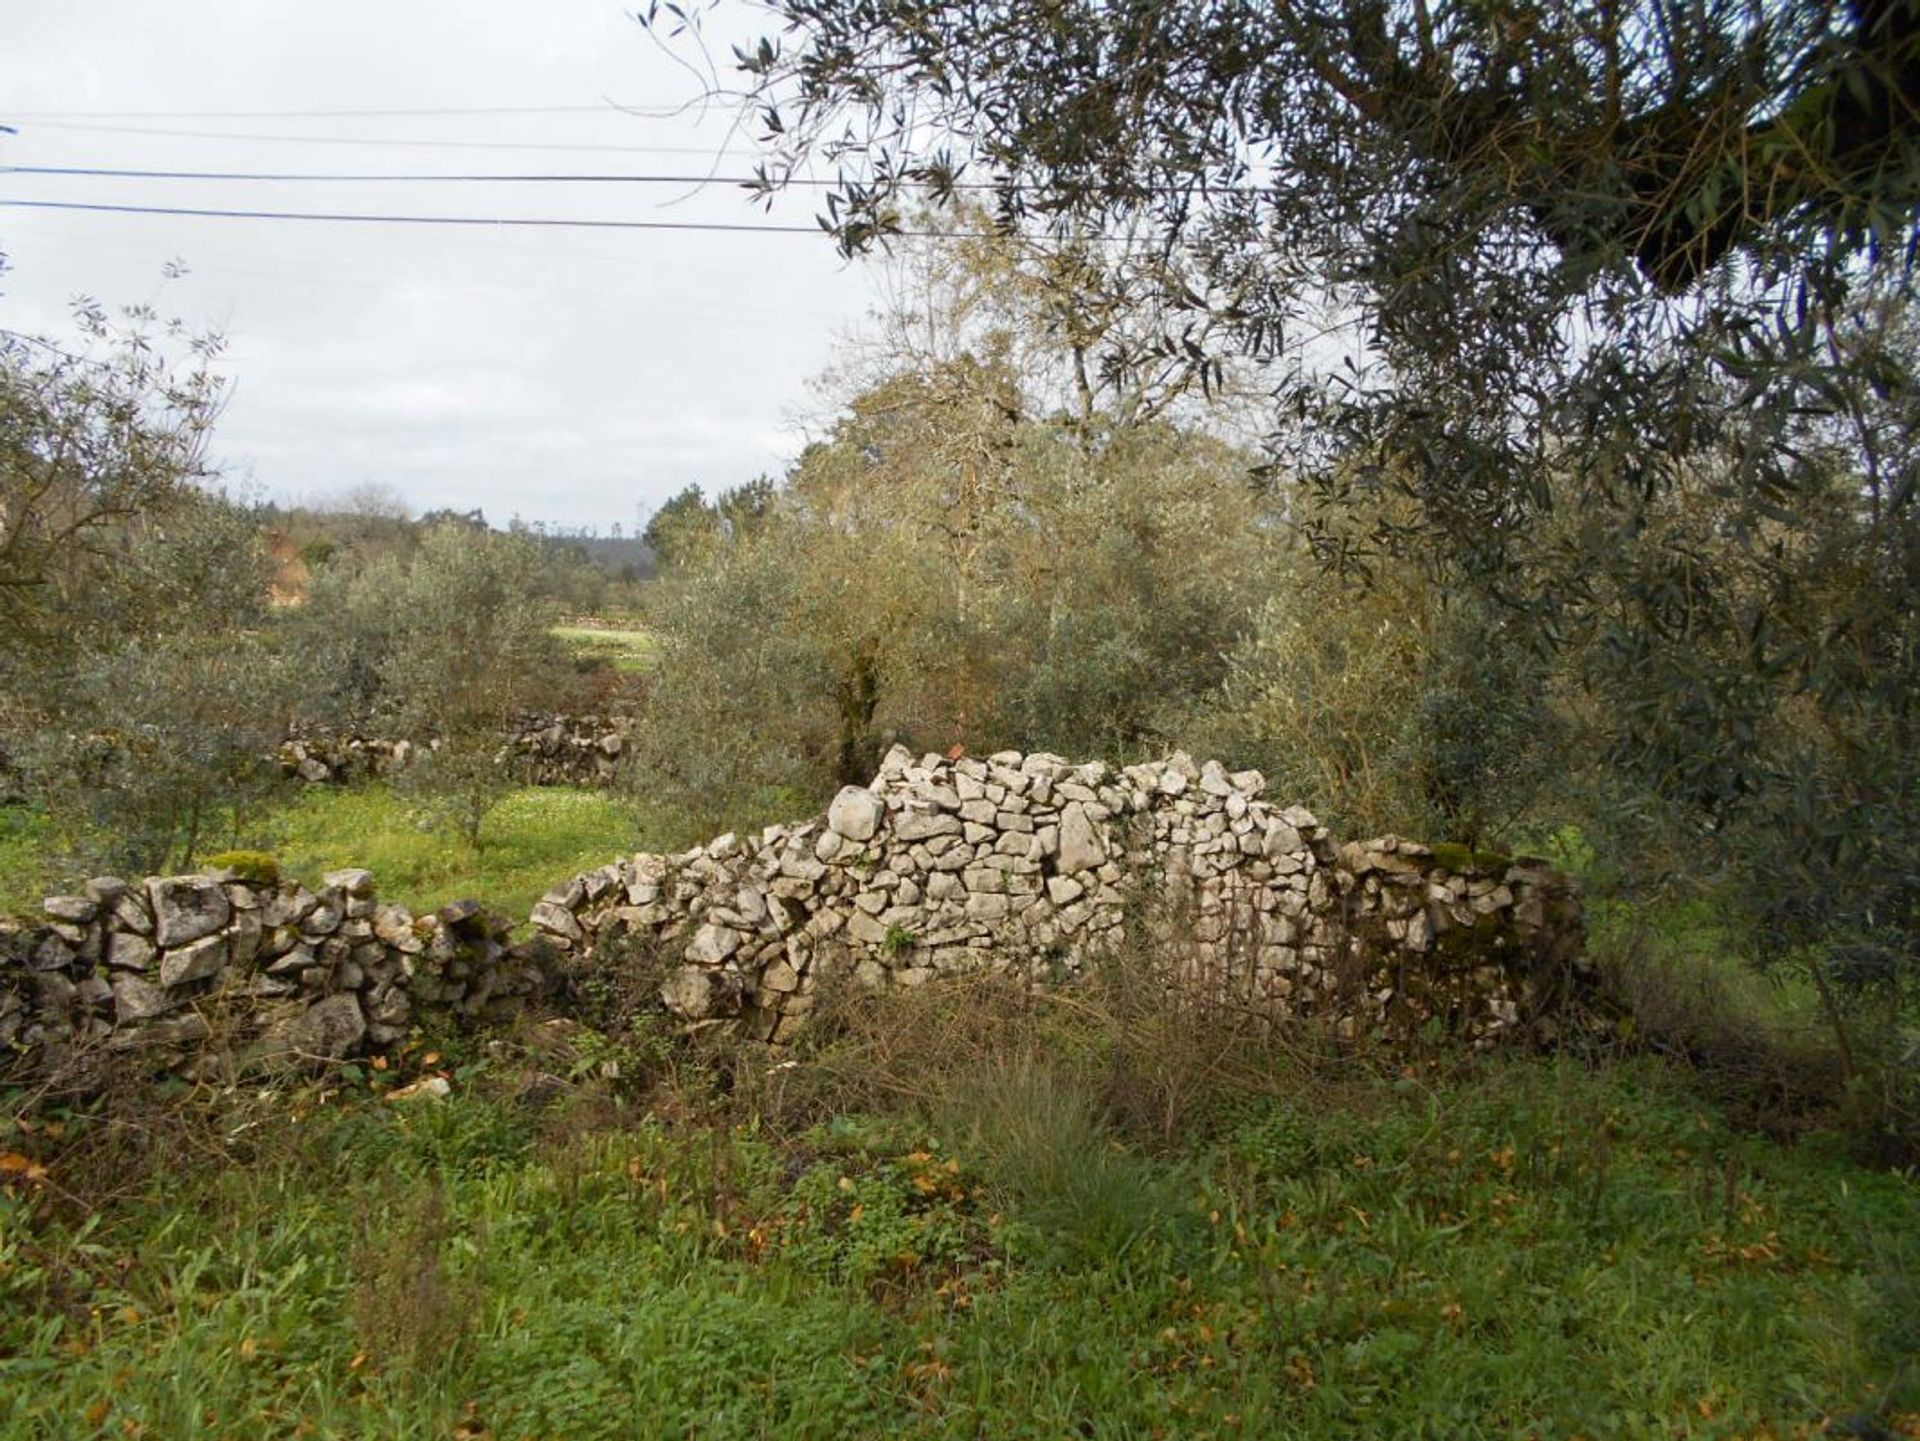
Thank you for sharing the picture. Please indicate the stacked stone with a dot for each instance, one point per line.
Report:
(541, 748)
(942, 866)
(1496, 937)
(323, 758)
(312, 973)
(563, 750)
(951, 865)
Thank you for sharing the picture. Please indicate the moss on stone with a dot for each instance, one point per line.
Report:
(1463, 859)
(256, 868)
(1486, 942)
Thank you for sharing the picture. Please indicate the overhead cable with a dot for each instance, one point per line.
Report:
(382, 140)
(503, 221)
(275, 176)
(609, 107)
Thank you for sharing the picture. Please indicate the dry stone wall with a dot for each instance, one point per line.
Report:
(946, 866)
(941, 867)
(543, 749)
(155, 969)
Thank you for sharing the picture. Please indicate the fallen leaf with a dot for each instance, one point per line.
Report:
(12, 1163)
(431, 1088)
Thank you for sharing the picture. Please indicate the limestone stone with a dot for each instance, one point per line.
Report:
(186, 908)
(285, 906)
(459, 913)
(1080, 845)
(193, 962)
(300, 958)
(129, 951)
(712, 945)
(1064, 890)
(323, 920)
(986, 906)
(801, 867)
(925, 825)
(944, 885)
(856, 813)
(984, 879)
(243, 938)
(135, 999)
(328, 1030)
(866, 929)
(130, 913)
(393, 923)
(76, 910)
(558, 920)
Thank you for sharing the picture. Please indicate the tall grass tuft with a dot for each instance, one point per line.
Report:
(1036, 1131)
(412, 1311)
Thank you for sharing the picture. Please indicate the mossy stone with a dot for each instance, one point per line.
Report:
(256, 868)
(1465, 859)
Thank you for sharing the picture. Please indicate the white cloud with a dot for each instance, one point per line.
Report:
(566, 376)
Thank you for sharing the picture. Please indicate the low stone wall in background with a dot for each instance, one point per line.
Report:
(543, 749)
(1012, 863)
(563, 750)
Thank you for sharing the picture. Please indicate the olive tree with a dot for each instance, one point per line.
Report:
(442, 646)
(156, 724)
(93, 441)
(1547, 272)
(140, 690)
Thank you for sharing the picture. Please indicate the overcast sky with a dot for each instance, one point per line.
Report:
(575, 377)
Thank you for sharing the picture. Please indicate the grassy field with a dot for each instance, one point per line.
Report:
(26, 869)
(531, 840)
(969, 1215)
(626, 649)
(1528, 1249)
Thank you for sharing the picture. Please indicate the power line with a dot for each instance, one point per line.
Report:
(497, 178)
(609, 107)
(709, 151)
(330, 178)
(523, 222)
(553, 222)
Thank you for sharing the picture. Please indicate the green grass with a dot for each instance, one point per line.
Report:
(625, 649)
(531, 840)
(1697, 937)
(1536, 1249)
(27, 872)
